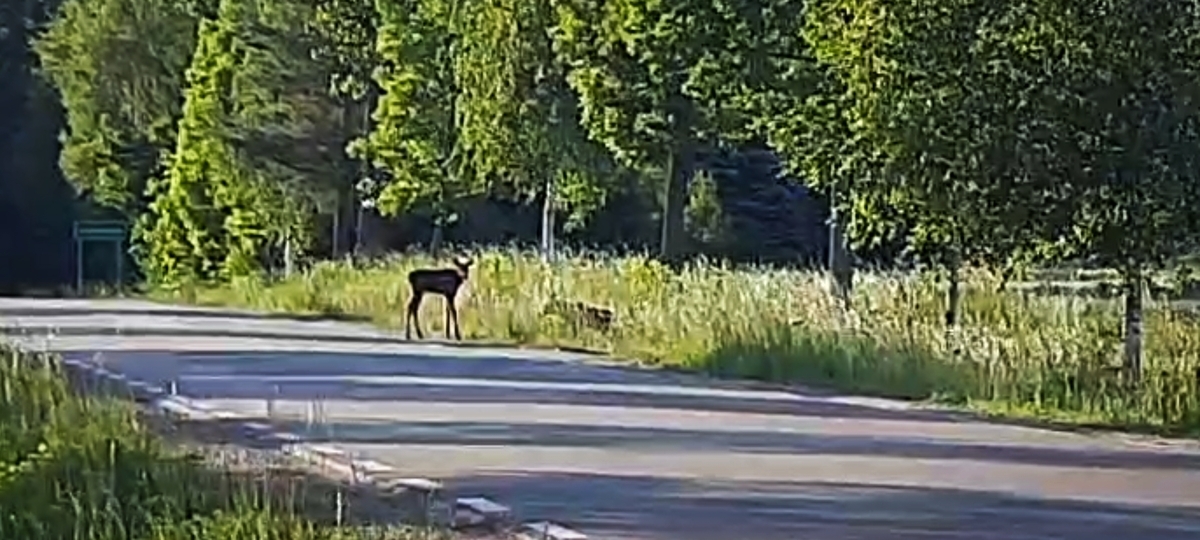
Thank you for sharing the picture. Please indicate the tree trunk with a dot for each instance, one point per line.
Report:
(953, 296)
(672, 248)
(675, 198)
(435, 243)
(366, 107)
(359, 232)
(344, 218)
(289, 262)
(1134, 331)
(335, 232)
(953, 303)
(548, 220)
(840, 267)
(679, 172)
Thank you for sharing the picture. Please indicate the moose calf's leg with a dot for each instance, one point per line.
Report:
(453, 314)
(413, 316)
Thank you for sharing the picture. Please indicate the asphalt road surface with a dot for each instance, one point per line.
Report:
(623, 454)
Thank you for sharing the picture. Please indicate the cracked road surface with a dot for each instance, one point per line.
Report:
(637, 455)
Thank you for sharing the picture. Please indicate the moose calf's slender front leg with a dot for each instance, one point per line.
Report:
(453, 313)
(413, 316)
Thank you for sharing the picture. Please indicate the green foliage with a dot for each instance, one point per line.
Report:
(348, 29)
(1120, 122)
(975, 145)
(74, 467)
(632, 64)
(765, 216)
(255, 151)
(118, 66)
(414, 141)
(518, 116)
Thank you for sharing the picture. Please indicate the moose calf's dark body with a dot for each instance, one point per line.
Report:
(443, 282)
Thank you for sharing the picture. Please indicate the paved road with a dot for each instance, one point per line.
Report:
(621, 454)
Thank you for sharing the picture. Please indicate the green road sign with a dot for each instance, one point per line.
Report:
(109, 232)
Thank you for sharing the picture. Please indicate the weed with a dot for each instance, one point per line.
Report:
(1021, 352)
(76, 467)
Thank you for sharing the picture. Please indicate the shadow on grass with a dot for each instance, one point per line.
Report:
(1015, 415)
(856, 364)
(848, 363)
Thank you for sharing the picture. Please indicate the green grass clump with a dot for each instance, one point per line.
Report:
(74, 468)
(1020, 354)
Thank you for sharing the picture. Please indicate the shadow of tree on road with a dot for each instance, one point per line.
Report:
(480, 378)
(608, 506)
(169, 311)
(638, 439)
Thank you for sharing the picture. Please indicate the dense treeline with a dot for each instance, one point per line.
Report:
(971, 132)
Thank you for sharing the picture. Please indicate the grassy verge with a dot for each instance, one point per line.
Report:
(74, 467)
(1025, 355)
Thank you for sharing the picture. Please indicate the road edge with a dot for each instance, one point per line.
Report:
(441, 507)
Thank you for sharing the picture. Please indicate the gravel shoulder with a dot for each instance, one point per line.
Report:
(324, 496)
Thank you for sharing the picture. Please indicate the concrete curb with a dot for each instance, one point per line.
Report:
(439, 506)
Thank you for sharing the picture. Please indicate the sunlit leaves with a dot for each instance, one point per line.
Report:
(415, 141)
(118, 66)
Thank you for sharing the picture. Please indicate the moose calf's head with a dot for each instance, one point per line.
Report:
(463, 264)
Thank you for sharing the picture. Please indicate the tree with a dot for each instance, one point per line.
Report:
(257, 146)
(415, 142)
(118, 66)
(1115, 91)
(349, 31)
(633, 64)
(36, 204)
(519, 117)
(759, 83)
(911, 111)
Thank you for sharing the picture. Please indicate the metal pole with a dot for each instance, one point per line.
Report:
(287, 256)
(120, 262)
(337, 229)
(78, 265)
(548, 221)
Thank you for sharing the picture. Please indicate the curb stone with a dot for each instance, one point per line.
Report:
(459, 513)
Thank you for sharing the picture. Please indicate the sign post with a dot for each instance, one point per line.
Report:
(113, 233)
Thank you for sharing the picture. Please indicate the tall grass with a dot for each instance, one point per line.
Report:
(1018, 353)
(74, 468)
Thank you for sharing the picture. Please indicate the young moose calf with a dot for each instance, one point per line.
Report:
(443, 282)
